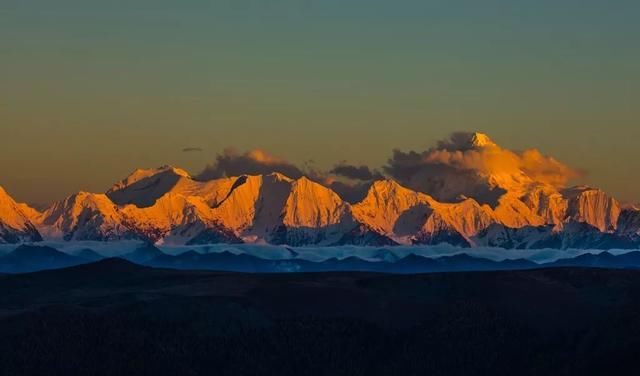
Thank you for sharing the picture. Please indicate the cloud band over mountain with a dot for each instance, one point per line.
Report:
(460, 165)
(231, 162)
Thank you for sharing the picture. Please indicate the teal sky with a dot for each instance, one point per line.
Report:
(91, 89)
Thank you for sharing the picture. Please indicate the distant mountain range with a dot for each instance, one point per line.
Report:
(168, 206)
(30, 258)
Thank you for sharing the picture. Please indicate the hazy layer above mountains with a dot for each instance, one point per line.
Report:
(467, 191)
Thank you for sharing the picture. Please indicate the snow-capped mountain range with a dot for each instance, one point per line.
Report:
(167, 206)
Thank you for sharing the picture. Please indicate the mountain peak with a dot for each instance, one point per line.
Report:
(15, 224)
(88, 198)
(177, 171)
(5, 199)
(385, 183)
(144, 186)
(389, 188)
(480, 140)
(277, 176)
(141, 174)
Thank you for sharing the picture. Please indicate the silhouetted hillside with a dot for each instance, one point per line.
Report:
(28, 258)
(116, 317)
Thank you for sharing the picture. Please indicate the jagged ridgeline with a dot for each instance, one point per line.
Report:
(168, 206)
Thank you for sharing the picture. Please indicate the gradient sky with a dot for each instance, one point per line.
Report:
(92, 89)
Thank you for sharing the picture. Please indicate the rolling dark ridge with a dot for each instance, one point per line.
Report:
(116, 317)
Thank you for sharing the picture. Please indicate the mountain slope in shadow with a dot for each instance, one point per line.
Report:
(29, 258)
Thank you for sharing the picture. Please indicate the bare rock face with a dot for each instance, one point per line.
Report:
(85, 216)
(593, 206)
(15, 222)
(629, 223)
